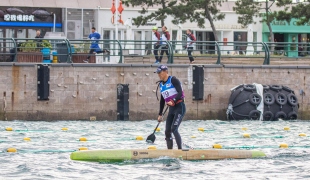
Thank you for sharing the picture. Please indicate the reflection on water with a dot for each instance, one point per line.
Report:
(47, 154)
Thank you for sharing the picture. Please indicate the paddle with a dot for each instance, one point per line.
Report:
(152, 137)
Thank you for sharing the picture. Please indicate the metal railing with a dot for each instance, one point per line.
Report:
(119, 51)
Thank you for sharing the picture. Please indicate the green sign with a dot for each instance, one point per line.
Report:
(285, 27)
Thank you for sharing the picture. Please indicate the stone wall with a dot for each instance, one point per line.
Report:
(79, 91)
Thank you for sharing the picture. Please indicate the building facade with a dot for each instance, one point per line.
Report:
(20, 19)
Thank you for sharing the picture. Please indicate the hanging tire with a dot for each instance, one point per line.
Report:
(276, 87)
(281, 99)
(287, 89)
(266, 87)
(255, 99)
(249, 87)
(254, 115)
(292, 115)
(292, 99)
(280, 115)
(268, 116)
(269, 99)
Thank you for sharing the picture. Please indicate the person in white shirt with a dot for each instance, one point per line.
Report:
(191, 39)
(155, 40)
(164, 47)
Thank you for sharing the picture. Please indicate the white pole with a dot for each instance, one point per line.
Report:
(115, 20)
(54, 22)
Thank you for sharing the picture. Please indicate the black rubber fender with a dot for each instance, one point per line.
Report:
(255, 99)
(280, 115)
(281, 99)
(292, 99)
(276, 87)
(249, 87)
(266, 87)
(269, 99)
(254, 115)
(268, 116)
(292, 115)
(287, 89)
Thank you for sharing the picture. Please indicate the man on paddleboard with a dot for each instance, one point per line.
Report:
(172, 95)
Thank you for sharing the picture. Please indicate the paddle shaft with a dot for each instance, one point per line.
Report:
(160, 121)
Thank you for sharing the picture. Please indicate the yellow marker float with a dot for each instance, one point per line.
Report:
(27, 139)
(246, 135)
(83, 148)
(83, 139)
(139, 138)
(283, 145)
(11, 150)
(217, 146)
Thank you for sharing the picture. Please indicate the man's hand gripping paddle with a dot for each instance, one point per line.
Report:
(151, 138)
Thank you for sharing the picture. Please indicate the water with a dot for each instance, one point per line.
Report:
(47, 155)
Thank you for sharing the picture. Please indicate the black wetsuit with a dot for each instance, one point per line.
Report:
(175, 115)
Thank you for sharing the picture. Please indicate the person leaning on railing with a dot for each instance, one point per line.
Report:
(38, 38)
(191, 39)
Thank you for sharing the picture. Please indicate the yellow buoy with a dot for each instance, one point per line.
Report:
(201, 129)
(139, 138)
(11, 150)
(246, 135)
(302, 134)
(193, 136)
(283, 145)
(217, 146)
(83, 148)
(244, 128)
(152, 147)
(64, 129)
(83, 139)
(157, 129)
(286, 128)
(9, 129)
(27, 139)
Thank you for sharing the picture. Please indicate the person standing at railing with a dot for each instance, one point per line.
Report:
(191, 39)
(94, 47)
(39, 37)
(155, 39)
(164, 47)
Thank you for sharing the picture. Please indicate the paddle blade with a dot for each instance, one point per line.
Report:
(151, 138)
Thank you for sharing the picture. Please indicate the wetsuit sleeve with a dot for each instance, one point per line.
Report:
(161, 106)
(177, 85)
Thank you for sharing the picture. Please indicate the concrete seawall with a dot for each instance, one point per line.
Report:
(79, 91)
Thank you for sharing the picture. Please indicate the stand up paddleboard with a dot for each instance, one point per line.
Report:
(116, 155)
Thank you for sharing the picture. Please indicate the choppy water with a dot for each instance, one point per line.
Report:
(47, 155)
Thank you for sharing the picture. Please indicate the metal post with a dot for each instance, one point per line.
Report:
(115, 20)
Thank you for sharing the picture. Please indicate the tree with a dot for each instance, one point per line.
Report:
(248, 9)
(198, 11)
(301, 11)
(159, 15)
